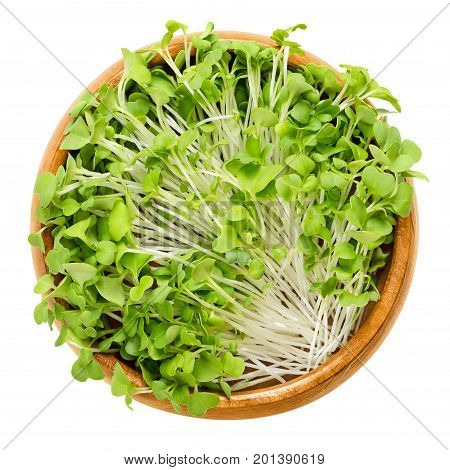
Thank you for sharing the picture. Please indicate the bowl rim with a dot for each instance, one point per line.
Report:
(341, 364)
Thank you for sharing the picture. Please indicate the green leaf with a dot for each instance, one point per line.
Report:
(170, 366)
(380, 130)
(227, 240)
(306, 245)
(382, 93)
(301, 164)
(378, 225)
(326, 134)
(172, 333)
(35, 239)
(121, 384)
(225, 388)
(45, 188)
(236, 213)
(377, 182)
(207, 368)
(78, 137)
(42, 313)
(165, 140)
(256, 268)
(233, 366)
(134, 262)
(181, 395)
(301, 112)
(296, 84)
(264, 117)
(56, 258)
(111, 288)
(202, 271)
(187, 139)
(410, 154)
(366, 114)
(379, 155)
(401, 201)
(330, 179)
(378, 260)
(137, 292)
(313, 222)
(80, 272)
(415, 174)
(165, 310)
(159, 96)
(357, 212)
(201, 402)
(280, 36)
(69, 206)
(288, 187)
(138, 104)
(174, 26)
(238, 256)
(106, 251)
(158, 295)
(375, 229)
(119, 221)
(86, 367)
(78, 230)
(136, 67)
(44, 284)
(328, 287)
(98, 132)
(158, 335)
(189, 339)
(160, 390)
(84, 102)
(344, 250)
(108, 100)
(254, 178)
(151, 180)
(347, 299)
(279, 252)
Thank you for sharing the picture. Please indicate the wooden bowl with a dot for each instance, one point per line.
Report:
(393, 285)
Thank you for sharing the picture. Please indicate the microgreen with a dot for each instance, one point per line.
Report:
(85, 367)
(221, 218)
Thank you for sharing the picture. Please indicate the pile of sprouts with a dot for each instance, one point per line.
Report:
(221, 217)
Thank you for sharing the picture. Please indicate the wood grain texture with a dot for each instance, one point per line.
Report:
(394, 285)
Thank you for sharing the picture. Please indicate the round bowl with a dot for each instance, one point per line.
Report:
(393, 284)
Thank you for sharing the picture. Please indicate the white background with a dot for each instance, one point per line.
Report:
(357, 426)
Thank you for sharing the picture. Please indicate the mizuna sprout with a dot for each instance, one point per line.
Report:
(221, 217)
